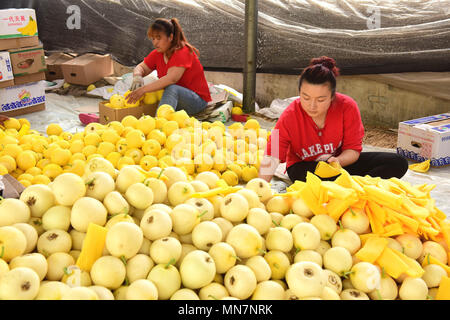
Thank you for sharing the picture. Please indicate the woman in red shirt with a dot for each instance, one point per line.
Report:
(323, 125)
(179, 70)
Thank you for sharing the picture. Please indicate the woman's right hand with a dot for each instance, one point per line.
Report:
(138, 82)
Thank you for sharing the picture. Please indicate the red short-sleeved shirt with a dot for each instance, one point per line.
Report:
(193, 77)
(299, 139)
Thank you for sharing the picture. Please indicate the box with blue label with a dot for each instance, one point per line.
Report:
(22, 99)
(426, 138)
(6, 71)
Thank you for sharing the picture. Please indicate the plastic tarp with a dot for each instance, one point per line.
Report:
(364, 36)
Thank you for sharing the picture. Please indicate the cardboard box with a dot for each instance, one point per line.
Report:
(18, 23)
(6, 72)
(150, 109)
(87, 69)
(426, 138)
(108, 114)
(29, 78)
(53, 63)
(22, 99)
(19, 112)
(28, 60)
(6, 44)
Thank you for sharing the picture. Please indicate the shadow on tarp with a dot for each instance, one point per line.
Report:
(364, 37)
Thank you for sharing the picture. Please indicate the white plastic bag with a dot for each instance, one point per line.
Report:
(276, 108)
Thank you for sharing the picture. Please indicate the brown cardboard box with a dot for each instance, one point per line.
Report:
(18, 112)
(87, 69)
(11, 43)
(28, 60)
(29, 78)
(108, 114)
(53, 63)
(8, 83)
(150, 109)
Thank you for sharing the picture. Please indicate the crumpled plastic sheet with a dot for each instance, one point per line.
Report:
(276, 108)
(370, 36)
(60, 109)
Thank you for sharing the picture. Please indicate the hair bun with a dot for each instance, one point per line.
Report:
(327, 62)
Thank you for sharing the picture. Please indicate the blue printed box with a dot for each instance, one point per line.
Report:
(426, 138)
(18, 99)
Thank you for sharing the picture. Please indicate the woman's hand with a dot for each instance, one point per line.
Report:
(268, 167)
(135, 95)
(333, 159)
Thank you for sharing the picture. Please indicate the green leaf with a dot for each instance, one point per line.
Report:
(124, 260)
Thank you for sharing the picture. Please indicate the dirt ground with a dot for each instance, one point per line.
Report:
(379, 137)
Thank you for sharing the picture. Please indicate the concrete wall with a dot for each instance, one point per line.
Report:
(380, 104)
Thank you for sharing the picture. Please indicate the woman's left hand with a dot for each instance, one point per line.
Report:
(135, 95)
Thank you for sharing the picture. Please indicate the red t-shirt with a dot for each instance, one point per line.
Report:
(193, 77)
(299, 138)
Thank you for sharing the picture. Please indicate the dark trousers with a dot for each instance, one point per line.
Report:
(375, 164)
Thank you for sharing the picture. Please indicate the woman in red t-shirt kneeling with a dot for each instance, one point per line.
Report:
(179, 70)
(324, 125)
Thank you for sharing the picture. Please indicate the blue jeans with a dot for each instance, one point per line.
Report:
(182, 98)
